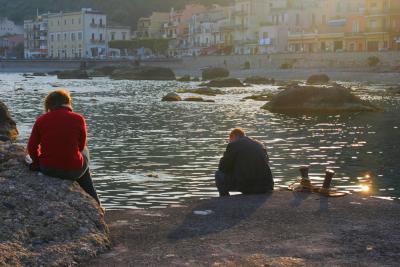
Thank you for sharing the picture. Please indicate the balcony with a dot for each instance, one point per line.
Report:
(95, 25)
(382, 11)
(96, 41)
(239, 13)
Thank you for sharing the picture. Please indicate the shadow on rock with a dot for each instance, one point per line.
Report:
(217, 214)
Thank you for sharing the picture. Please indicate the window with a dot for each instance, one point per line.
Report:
(112, 36)
(65, 22)
(101, 37)
(124, 36)
(79, 36)
(101, 22)
(58, 37)
(73, 36)
(65, 36)
(52, 37)
(92, 36)
(355, 26)
(93, 21)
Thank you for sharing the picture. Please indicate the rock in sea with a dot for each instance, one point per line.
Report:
(317, 99)
(224, 82)
(73, 74)
(214, 73)
(318, 79)
(144, 73)
(8, 127)
(45, 221)
(171, 97)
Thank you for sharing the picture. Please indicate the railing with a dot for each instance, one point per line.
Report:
(95, 41)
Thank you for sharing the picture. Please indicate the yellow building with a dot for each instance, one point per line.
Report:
(152, 27)
(383, 25)
(79, 34)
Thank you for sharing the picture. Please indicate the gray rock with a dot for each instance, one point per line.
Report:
(318, 79)
(214, 73)
(73, 74)
(45, 221)
(314, 99)
(171, 97)
(185, 78)
(144, 73)
(224, 82)
(8, 127)
(202, 91)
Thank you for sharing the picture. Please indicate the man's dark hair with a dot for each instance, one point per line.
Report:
(57, 99)
(238, 132)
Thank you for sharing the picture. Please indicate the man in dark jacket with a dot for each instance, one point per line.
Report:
(244, 166)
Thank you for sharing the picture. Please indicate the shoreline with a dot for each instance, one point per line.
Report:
(279, 229)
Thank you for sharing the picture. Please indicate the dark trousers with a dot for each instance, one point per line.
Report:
(224, 183)
(83, 177)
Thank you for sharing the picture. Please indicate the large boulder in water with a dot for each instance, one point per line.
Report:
(73, 74)
(313, 99)
(214, 73)
(45, 221)
(8, 127)
(224, 82)
(144, 73)
(202, 91)
(318, 79)
(171, 97)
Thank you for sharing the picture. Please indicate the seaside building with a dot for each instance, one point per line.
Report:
(383, 25)
(248, 16)
(36, 37)
(208, 34)
(152, 27)
(9, 46)
(74, 35)
(177, 29)
(8, 27)
(118, 33)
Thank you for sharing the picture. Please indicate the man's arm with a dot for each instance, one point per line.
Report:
(227, 162)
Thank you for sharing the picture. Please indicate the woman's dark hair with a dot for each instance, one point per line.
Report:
(57, 99)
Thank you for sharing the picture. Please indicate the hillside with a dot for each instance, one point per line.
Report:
(124, 12)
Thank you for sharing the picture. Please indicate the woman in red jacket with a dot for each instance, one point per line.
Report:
(57, 145)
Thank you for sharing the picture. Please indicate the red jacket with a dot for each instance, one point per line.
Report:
(57, 138)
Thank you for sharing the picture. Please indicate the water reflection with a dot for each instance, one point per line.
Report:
(132, 133)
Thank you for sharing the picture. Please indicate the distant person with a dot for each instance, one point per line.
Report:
(244, 166)
(57, 145)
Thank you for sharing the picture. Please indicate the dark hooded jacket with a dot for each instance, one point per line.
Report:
(246, 162)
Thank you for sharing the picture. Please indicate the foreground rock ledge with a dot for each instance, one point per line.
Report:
(282, 229)
(45, 221)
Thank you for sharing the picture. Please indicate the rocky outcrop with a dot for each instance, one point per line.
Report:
(202, 91)
(214, 73)
(8, 127)
(171, 97)
(45, 221)
(197, 99)
(144, 73)
(73, 74)
(259, 80)
(260, 97)
(314, 99)
(224, 82)
(318, 79)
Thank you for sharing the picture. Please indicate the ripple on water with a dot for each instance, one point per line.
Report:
(132, 133)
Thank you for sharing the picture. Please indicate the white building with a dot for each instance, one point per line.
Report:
(35, 37)
(8, 27)
(118, 33)
(81, 34)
